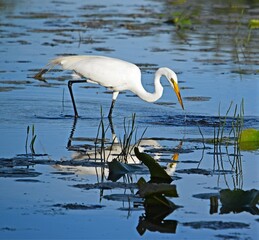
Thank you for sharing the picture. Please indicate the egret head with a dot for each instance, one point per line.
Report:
(172, 78)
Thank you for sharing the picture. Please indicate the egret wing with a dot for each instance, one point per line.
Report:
(109, 72)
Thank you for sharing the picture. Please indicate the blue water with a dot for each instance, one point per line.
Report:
(205, 60)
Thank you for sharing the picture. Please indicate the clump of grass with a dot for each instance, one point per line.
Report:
(120, 149)
(221, 134)
(227, 132)
(126, 143)
(32, 141)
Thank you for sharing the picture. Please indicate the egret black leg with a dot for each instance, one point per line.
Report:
(114, 97)
(70, 83)
(111, 108)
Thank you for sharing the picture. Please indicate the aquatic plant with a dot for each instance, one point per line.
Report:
(157, 173)
(126, 143)
(155, 195)
(181, 20)
(236, 123)
(238, 200)
(227, 132)
(254, 23)
(249, 139)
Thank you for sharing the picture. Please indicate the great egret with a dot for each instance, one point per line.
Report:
(114, 74)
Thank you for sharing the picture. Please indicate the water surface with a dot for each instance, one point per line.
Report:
(215, 63)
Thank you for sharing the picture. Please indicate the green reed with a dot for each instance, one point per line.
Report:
(126, 143)
(227, 132)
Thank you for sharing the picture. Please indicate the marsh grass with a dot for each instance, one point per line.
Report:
(104, 148)
(129, 140)
(242, 47)
(226, 138)
(229, 128)
(126, 143)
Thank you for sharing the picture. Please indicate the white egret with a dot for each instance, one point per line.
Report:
(114, 74)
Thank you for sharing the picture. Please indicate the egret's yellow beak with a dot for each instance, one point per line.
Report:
(177, 92)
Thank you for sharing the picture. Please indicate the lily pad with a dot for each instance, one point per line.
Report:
(249, 139)
(118, 169)
(238, 200)
(149, 189)
(157, 207)
(158, 174)
(164, 226)
(254, 23)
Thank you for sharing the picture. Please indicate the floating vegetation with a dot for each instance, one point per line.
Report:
(195, 171)
(155, 193)
(77, 206)
(216, 225)
(181, 20)
(151, 189)
(238, 200)
(222, 134)
(254, 23)
(122, 197)
(118, 169)
(249, 139)
(106, 185)
(197, 99)
(18, 172)
(158, 174)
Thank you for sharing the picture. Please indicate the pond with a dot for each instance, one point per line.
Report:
(55, 179)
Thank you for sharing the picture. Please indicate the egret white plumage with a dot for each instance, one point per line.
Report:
(114, 74)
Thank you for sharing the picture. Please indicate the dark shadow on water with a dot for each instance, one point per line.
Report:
(67, 116)
(193, 120)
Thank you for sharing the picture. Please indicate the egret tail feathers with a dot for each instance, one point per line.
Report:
(67, 62)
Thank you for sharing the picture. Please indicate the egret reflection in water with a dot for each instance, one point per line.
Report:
(92, 154)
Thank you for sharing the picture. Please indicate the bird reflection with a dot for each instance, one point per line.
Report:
(91, 158)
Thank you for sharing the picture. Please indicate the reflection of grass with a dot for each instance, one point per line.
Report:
(33, 138)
